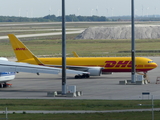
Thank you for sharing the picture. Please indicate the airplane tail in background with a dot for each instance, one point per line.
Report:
(20, 50)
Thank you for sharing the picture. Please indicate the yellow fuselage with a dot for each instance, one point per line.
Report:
(110, 64)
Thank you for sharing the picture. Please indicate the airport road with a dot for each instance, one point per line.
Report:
(44, 34)
(78, 111)
(28, 85)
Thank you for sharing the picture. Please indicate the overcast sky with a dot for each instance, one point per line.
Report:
(40, 8)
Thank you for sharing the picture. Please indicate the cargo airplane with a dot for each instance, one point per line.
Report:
(94, 65)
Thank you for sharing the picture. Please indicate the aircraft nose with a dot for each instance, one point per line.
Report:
(155, 65)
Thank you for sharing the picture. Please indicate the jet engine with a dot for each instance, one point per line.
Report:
(95, 71)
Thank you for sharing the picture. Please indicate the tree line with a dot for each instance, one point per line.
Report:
(74, 18)
(52, 18)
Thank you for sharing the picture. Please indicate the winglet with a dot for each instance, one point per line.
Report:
(75, 54)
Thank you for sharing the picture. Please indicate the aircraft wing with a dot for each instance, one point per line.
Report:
(7, 66)
(93, 71)
(77, 68)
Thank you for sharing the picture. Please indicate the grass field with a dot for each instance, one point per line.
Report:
(94, 48)
(91, 116)
(29, 104)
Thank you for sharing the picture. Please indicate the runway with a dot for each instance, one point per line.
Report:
(73, 31)
(31, 86)
(77, 111)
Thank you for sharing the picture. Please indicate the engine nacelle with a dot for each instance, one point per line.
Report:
(95, 71)
(107, 73)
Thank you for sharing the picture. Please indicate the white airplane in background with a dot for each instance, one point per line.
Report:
(9, 69)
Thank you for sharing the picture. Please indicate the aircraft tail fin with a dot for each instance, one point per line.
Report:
(20, 50)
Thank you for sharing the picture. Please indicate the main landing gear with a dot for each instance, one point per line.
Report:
(81, 76)
(4, 85)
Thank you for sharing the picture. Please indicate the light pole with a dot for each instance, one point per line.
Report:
(63, 49)
(133, 43)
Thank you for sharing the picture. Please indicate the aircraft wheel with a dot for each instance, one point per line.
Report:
(87, 75)
(1, 85)
(5, 85)
(80, 76)
(83, 76)
(77, 76)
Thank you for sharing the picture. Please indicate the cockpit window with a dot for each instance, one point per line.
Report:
(150, 62)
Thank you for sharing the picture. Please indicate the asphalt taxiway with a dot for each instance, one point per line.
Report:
(31, 86)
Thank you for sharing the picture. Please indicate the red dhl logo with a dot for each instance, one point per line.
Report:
(120, 64)
(20, 49)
